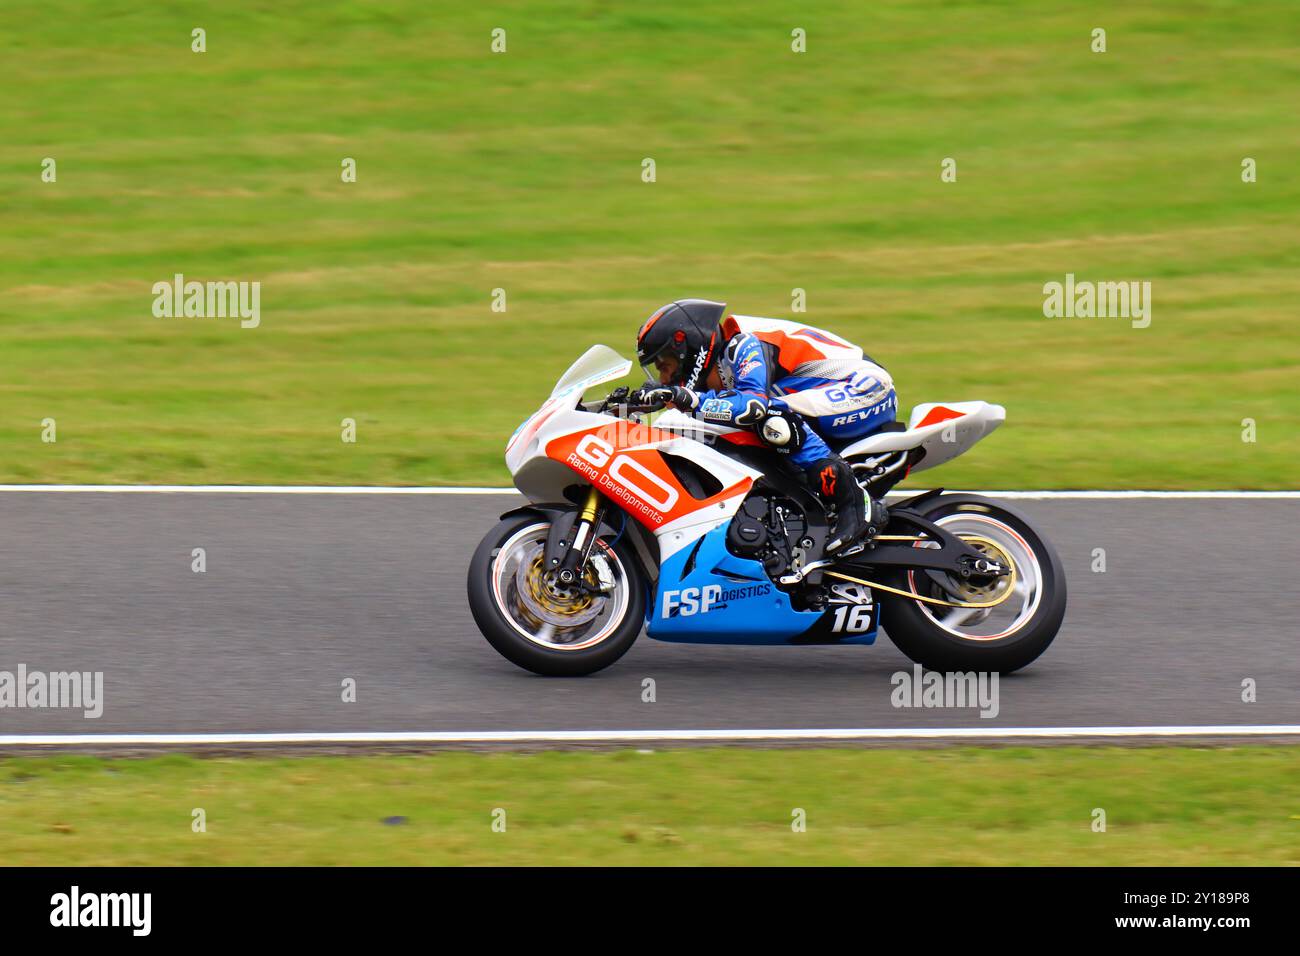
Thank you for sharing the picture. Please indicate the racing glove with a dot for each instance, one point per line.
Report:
(675, 395)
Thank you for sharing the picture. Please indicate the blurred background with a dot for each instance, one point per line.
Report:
(522, 171)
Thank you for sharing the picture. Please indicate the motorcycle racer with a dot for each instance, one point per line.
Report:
(769, 375)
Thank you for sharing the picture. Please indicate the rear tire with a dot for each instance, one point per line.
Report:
(957, 644)
(502, 614)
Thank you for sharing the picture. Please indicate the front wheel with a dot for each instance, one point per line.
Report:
(544, 628)
(1004, 637)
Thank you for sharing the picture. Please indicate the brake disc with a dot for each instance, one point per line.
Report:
(548, 601)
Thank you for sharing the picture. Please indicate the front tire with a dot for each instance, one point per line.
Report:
(549, 631)
(1004, 638)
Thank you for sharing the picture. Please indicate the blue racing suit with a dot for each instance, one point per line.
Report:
(841, 395)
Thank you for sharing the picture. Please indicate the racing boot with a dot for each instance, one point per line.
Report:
(832, 479)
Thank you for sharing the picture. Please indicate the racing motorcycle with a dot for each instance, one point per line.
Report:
(703, 534)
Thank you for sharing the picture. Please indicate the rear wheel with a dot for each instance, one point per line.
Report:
(1029, 604)
(545, 628)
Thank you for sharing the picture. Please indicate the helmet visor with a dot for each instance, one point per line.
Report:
(663, 366)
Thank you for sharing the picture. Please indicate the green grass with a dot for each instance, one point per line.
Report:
(522, 171)
(1019, 806)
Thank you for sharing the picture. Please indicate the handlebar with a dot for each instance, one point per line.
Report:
(619, 399)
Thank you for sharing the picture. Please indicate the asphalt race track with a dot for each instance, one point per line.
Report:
(303, 591)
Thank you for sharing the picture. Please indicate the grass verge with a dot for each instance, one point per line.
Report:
(964, 805)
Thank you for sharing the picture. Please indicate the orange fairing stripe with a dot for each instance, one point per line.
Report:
(938, 414)
(539, 419)
(621, 460)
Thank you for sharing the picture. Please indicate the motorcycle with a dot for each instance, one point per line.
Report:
(702, 534)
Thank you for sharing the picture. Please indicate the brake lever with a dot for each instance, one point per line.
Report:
(618, 399)
(615, 398)
(624, 410)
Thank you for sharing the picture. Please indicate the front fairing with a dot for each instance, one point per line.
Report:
(597, 365)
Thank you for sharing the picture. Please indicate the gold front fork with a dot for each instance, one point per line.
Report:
(589, 509)
(583, 530)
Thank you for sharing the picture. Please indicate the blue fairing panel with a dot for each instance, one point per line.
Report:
(707, 595)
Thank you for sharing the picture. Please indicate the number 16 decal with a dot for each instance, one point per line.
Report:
(852, 619)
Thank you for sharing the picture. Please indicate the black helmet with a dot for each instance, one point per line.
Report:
(686, 329)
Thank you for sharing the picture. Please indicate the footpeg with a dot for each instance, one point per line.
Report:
(800, 573)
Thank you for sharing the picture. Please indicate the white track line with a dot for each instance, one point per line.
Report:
(413, 490)
(630, 736)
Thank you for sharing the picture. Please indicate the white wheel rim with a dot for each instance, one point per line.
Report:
(1018, 609)
(503, 570)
